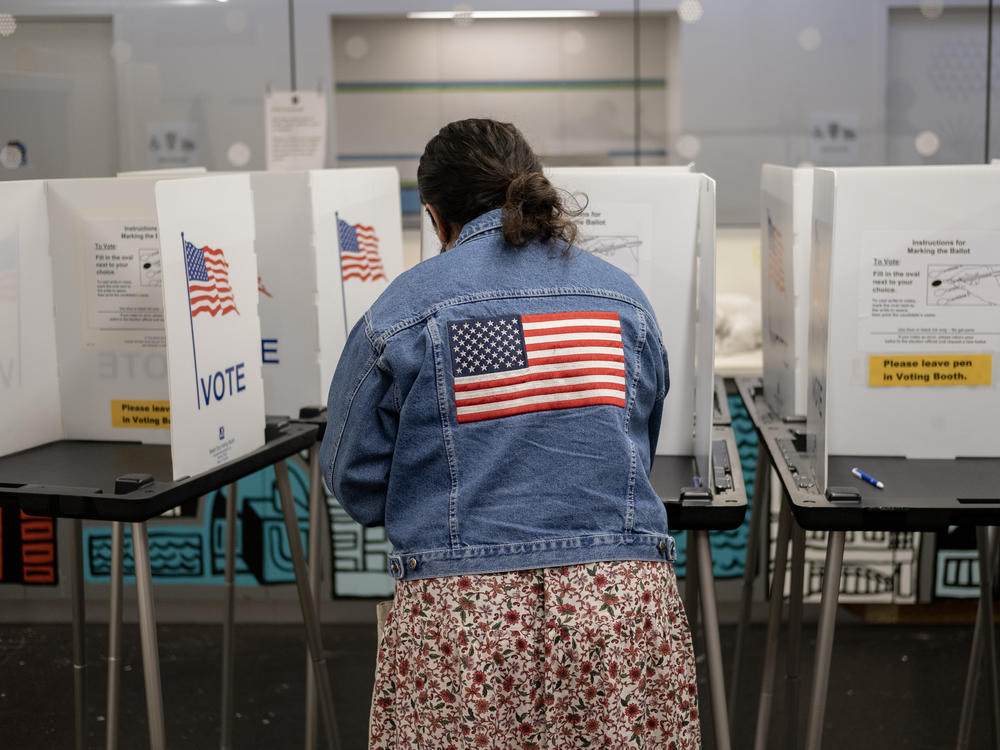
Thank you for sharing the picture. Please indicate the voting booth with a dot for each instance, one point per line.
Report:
(328, 244)
(658, 225)
(786, 244)
(905, 314)
(90, 303)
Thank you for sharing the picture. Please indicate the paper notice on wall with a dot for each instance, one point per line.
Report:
(617, 232)
(295, 130)
(123, 295)
(929, 288)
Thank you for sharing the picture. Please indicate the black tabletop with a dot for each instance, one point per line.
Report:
(918, 494)
(126, 481)
(722, 507)
(671, 474)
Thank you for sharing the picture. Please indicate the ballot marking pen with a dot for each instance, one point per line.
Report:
(871, 480)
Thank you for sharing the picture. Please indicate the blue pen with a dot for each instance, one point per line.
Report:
(871, 480)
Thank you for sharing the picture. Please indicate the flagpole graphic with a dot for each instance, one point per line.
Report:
(340, 262)
(194, 354)
(207, 273)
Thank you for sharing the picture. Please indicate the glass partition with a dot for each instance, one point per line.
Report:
(96, 87)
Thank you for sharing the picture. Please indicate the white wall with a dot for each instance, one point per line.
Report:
(589, 123)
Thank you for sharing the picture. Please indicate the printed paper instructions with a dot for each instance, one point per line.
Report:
(123, 296)
(919, 289)
(616, 232)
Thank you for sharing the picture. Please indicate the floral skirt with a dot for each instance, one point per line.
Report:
(584, 656)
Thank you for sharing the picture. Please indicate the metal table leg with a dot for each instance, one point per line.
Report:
(761, 494)
(698, 545)
(228, 661)
(972, 676)
(691, 604)
(773, 627)
(972, 679)
(147, 633)
(793, 656)
(115, 634)
(315, 574)
(79, 624)
(824, 638)
(313, 637)
(989, 632)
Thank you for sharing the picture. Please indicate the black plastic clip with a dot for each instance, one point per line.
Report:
(127, 483)
(799, 440)
(274, 427)
(696, 496)
(843, 495)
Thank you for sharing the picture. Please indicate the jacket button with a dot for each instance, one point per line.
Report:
(662, 546)
(412, 563)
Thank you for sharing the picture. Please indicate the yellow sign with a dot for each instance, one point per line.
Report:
(930, 369)
(144, 414)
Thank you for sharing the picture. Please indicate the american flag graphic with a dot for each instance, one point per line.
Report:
(526, 363)
(775, 255)
(208, 281)
(359, 258)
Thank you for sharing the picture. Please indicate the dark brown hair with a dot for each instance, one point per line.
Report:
(474, 166)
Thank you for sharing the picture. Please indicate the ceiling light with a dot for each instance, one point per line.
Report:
(449, 15)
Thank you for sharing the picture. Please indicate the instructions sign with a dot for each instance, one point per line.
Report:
(616, 232)
(139, 413)
(930, 369)
(295, 129)
(124, 297)
(940, 289)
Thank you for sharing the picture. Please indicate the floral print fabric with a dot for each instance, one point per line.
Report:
(585, 656)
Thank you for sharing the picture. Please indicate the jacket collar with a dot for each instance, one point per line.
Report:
(489, 221)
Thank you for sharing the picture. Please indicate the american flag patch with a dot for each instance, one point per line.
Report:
(526, 363)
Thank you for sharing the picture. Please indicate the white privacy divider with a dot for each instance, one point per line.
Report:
(785, 247)
(328, 244)
(212, 327)
(108, 309)
(905, 313)
(84, 288)
(30, 405)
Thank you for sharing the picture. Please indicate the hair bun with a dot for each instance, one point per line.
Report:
(532, 204)
(528, 186)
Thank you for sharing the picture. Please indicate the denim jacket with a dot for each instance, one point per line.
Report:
(497, 409)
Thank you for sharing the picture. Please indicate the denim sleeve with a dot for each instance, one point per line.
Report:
(662, 386)
(362, 421)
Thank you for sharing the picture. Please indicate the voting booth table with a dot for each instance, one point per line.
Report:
(657, 224)
(328, 244)
(898, 383)
(131, 308)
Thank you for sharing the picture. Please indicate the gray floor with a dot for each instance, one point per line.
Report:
(891, 687)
